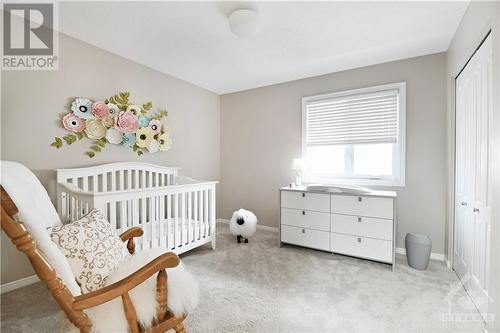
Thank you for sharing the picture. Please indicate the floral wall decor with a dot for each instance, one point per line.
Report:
(116, 121)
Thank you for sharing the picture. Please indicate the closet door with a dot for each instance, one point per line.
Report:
(473, 195)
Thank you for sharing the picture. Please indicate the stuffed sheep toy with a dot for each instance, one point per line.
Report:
(243, 224)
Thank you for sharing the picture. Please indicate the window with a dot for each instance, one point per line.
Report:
(356, 136)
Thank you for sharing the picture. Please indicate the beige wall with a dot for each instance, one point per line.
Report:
(479, 18)
(32, 102)
(261, 134)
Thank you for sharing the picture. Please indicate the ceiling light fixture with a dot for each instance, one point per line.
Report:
(244, 23)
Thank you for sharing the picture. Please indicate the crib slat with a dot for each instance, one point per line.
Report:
(113, 181)
(206, 212)
(94, 184)
(121, 181)
(136, 179)
(183, 219)
(129, 179)
(143, 179)
(123, 216)
(150, 179)
(196, 221)
(152, 219)
(144, 219)
(162, 221)
(85, 183)
(189, 219)
(105, 182)
(112, 215)
(176, 221)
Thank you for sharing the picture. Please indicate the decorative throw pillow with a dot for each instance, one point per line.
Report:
(91, 247)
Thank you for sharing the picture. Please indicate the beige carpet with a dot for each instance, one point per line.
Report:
(259, 287)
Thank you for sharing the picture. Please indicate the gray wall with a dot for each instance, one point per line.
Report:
(261, 134)
(479, 18)
(33, 101)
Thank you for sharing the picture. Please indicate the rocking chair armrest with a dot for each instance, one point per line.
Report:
(129, 236)
(119, 288)
(131, 233)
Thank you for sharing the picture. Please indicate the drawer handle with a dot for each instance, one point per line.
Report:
(303, 212)
(360, 199)
(476, 210)
(303, 231)
(303, 195)
(359, 219)
(464, 203)
(359, 239)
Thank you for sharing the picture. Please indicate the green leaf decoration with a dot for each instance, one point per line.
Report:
(146, 107)
(57, 143)
(139, 152)
(79, 135)
(101, 142)
(90, 154)
(160, 114)
(96, 148)
(69, 138)
(119, 99)
(135, 147)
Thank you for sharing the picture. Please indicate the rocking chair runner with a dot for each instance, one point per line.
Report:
(73, 306)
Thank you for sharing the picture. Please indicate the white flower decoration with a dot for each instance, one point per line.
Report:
(114, 136)
(153, 146)
(113, 109)
(82, 108)
(135, 109)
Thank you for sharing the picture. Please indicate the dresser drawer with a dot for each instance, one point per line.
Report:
(362, 226)
(306, 237)
(369, 248)
(305, 219)
(306, 201)
(362, 206)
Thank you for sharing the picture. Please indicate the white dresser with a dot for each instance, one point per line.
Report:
(356, 225)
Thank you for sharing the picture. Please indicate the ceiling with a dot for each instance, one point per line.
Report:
(192, 40)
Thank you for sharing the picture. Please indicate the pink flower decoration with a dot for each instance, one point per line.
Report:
(155, 126)
(126, 122)
(100, 110)
(73, 123)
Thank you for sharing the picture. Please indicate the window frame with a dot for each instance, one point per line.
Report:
(399, 149)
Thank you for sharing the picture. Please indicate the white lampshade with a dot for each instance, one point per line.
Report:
(244, 22)
(297, 164)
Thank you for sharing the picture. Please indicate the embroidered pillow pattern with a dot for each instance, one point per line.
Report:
(91, 247)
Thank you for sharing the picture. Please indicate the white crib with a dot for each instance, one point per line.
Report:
(175, 212)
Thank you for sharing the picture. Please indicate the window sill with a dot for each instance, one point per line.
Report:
(360, 182)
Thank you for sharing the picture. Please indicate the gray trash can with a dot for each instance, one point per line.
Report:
(418, 250)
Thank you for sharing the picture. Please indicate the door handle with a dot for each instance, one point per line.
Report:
(359, 239)
(476, 210)
(359, 219)
(303, 195)
(303, 212)
(303, 231)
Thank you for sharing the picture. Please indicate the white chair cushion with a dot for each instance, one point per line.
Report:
(183, 295)
(91, 247)
(37, 212)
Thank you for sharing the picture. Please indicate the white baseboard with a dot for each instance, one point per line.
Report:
(259, 226)
(6, 287)
(434, 256)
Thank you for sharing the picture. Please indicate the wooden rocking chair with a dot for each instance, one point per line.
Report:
(73, 306)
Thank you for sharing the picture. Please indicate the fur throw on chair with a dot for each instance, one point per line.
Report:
(183, 295)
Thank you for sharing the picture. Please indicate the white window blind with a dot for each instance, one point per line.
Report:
(353, 119)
